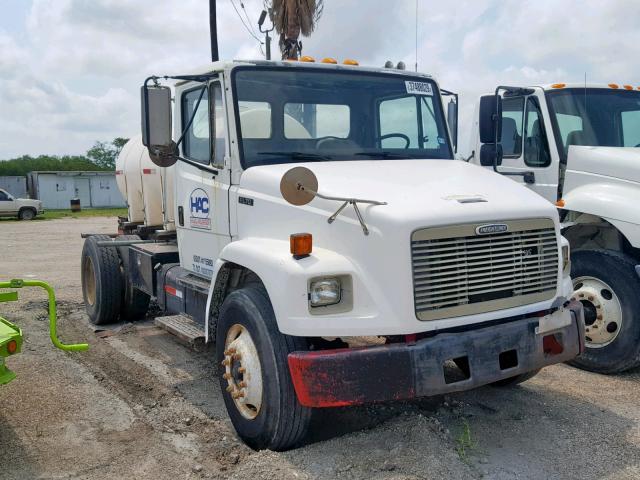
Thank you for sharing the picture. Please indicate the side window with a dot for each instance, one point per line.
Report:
(570, 127)
(219, 125)
(3, 197)
(512, 113)
(536, 147)
(631, 128)
(197, 141)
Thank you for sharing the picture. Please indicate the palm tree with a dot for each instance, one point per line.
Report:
(292, 18)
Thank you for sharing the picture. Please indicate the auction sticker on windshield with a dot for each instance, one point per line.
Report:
(419, 88)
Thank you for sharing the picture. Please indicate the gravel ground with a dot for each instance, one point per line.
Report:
(139, 405)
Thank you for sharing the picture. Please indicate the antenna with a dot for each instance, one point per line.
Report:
(213, 31)
(416, 35)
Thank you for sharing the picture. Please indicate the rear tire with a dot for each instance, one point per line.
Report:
(101, 281)
(135, 303)
(607, 285)
(268, 416)
(26, 214)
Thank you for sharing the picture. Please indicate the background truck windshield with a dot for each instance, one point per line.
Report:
(290, 115)
(595, 117)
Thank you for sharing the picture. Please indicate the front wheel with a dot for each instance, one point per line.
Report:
(607, 285)
(253, 371)
(26, 214)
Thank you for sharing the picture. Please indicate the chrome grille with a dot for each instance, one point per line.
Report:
(457, 272)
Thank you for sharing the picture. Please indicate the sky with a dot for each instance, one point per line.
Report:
(70, 70)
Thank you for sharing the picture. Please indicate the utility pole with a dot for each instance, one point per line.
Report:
(213, 31)
(267, 38)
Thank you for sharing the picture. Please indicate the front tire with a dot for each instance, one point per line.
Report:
(254, 374)
(606, 284)
(101, 281)
(26, 214)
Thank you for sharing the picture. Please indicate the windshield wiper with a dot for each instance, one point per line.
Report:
(384, 154)
(299, 155)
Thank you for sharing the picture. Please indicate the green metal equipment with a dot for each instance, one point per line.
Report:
(11, 335)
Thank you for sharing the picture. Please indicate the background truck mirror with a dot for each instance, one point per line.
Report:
(488, 153)
(156, 116)
(452, 120)
(490, 121)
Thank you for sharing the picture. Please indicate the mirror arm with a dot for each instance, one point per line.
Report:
(346, 201)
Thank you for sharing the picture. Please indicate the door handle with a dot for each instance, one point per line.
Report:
(181, 216)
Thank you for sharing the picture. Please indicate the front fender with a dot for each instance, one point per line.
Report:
(286, 281)
(615, 202)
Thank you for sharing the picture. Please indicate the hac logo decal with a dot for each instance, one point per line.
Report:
(199, 206)
(199, 203)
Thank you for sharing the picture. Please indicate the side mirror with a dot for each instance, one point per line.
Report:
(156, 124)
(452, 121)
(490, 120)
(299, 186)
(489, 152)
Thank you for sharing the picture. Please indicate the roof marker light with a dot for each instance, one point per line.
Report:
(307, 58)
(613, 85)
(627, 87)
(558, 85)
(349, 61)
(329, 60)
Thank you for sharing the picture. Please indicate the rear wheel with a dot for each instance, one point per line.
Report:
(101, 281)
(254, 375)
(135, 303)
(26, 214)
(606, 284)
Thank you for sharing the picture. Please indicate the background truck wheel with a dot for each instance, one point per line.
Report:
(512, 381)
(26, 214)
(606, 284)
(254, 376)
(135, 303)
(101, 281)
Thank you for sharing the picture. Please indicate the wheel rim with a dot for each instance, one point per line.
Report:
(27, 214)
(89, 280)
(602, 310)
(243, 371)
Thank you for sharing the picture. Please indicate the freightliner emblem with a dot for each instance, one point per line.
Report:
(491, 228)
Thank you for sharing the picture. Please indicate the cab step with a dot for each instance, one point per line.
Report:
(186, 331)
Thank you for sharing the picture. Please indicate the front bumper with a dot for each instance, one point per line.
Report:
(332, 378)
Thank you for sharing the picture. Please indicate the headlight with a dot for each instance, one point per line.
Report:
(325, 292)
(566, 260)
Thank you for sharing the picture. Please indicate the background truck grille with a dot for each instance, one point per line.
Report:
(457, 272)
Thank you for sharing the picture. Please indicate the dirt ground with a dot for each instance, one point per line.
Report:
(140, 405)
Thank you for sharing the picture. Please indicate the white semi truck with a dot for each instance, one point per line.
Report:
(309, 219)
(577, 146)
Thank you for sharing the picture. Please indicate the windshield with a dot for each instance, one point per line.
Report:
(595, 117)
(306, 114)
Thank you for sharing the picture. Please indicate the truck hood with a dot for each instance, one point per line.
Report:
(617, 162)
(417, 192)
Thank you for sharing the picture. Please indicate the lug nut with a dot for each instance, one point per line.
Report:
(599, 317)
(226, 362)
(229, 389)
(238, 395)
(591, 298)
(237, 356)
(242, 384)
(226, 376)
(230, 351)
(242, 370)
(581, 295)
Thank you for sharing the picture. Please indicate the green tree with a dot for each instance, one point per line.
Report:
(104, 154)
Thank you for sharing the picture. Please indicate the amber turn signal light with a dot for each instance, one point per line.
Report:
(12, 346)
(301, 244)
(560, 203)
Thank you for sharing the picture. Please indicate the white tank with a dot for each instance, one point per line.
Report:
(142, 183)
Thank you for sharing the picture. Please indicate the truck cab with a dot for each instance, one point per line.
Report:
(576, 145)
(319, 231)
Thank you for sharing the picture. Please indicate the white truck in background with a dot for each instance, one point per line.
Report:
(22, 208)
(577, 146)
(310, 220)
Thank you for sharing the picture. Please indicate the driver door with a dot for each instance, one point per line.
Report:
(202, 183)
(526, 145)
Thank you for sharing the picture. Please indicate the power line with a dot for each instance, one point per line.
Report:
(244, 24)
(247, 17)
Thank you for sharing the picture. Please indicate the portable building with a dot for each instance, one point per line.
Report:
(15, 185)
(56, 189)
